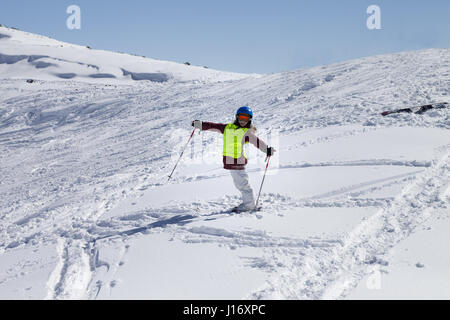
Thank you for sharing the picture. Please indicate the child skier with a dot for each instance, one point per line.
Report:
(235, 135)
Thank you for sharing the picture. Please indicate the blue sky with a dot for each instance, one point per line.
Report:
(243, 36)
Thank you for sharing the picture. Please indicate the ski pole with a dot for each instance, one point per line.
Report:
(181, 154)
(260, 188)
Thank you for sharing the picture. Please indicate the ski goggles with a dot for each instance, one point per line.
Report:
(245, 117)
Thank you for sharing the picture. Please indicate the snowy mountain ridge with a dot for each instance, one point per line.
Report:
(26, 55)
(352, 203)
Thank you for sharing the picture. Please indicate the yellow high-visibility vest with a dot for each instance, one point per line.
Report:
(232, 141)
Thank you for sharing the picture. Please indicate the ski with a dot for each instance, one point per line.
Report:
(419, 109)
(237, 210)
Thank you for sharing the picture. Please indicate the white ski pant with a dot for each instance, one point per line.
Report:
(240, 179)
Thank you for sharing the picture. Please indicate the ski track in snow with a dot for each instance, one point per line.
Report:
(338, 271)
(71, 277)
(72, 151)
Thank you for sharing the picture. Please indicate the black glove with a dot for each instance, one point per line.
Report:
(197, 124)
(270, 151)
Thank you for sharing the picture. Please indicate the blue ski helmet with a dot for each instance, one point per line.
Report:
(245, 110)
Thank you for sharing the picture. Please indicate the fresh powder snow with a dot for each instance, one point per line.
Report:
(354, 205)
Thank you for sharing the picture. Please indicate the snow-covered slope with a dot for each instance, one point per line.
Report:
(352, 203)
(24, 55)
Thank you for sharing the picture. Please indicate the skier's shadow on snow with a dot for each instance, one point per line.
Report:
(178, 220)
